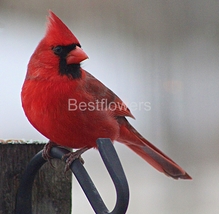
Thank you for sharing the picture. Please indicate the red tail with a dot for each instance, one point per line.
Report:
(131, 138)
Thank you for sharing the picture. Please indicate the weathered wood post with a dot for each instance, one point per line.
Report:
(51, 190)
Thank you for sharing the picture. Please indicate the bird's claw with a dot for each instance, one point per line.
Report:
(46, 152)
(71, 156)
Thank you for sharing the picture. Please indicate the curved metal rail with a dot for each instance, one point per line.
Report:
(112, 163)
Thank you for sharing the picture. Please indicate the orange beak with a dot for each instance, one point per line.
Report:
(76, 56)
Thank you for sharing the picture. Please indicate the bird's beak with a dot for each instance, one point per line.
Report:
(76, 56)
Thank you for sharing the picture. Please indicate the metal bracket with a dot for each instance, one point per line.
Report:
(112, 163)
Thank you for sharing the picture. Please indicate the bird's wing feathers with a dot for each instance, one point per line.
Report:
(106, 97)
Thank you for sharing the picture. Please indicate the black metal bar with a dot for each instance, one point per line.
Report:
(112, 163)
(114, 167)
(24, 195)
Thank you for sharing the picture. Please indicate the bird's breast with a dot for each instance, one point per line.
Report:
(67, 115)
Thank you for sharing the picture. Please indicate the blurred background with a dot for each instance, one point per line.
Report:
(165, 53)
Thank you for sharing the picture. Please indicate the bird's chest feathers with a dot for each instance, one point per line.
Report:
(54, 102)
(65, 110)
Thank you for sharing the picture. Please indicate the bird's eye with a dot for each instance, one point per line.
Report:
(57, 50)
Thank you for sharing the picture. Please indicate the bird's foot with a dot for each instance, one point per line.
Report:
(46, 152)
(71, 156)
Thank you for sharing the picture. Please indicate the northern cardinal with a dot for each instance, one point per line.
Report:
(72, 108)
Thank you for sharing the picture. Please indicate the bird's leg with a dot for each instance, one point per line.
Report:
(71, 156)
(46, 151)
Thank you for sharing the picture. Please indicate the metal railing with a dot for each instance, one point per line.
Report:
(112, 163)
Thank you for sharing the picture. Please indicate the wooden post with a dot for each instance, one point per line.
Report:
(51, 190)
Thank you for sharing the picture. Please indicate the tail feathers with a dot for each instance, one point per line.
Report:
(131, 138)
(159, 162)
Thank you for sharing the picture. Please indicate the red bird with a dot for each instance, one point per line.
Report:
(72, 108)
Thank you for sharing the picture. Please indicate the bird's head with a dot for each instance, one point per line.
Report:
(59, 51)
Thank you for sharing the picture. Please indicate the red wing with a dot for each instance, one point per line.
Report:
(103, 94)
(117, 106)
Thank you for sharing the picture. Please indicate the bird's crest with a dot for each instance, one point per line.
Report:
(57, 32)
